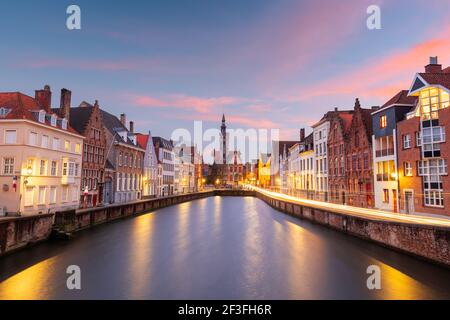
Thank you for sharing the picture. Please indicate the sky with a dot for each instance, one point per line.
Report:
(265, 64)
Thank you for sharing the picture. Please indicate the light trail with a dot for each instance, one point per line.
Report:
(372, 214)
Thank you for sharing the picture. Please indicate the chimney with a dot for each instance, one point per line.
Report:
(123, 119)
(336, 109)
(433, 67)
(64, 107)
(96, 105)
(302, 134)
(132, 126)
(375, 108)
(357, 104)
(44, 98)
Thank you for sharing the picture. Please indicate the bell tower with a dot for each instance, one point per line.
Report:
(223, 131)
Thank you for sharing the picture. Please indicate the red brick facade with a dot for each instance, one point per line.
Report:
(350, 168)
(359, 168)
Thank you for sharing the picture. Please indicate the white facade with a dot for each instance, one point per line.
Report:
(294, 168)
(320, 171)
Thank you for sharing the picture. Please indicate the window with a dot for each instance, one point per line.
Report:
(32, 139)
(406, 141)
(434, 166)
(56, 144)
(433, 198)
(67, 145)
(29, 196)
(52, 195)
(77, 169)
(4, 111)
(53, 120)
(53, 168)
(78, 148)
(64, 124)
(386, 195)
(8, 166)
(44, 143)
(432, 100)
(64, 172)
(43, 168)
(42, 116)
(418, 139)
(383, 121)
(10, 136)
(41, 196)
(407, 169)
(65, 194)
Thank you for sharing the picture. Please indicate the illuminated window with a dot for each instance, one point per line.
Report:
(66, 145)
(43, 168)
(383, 121)
(432, 100)
(386, 195)
(78, 148)
(408, 169)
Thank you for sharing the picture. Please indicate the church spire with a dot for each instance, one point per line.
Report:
(223, 118)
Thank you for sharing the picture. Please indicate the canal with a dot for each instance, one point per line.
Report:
(217, 248)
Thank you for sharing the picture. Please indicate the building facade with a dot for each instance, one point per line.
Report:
(166, 160)
(424, 151)
(150, 167)
(40, 154)
(356, 159)
(87, 121)
(385, 146)
(125, 157)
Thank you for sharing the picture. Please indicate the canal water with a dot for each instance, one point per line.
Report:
(217, 248)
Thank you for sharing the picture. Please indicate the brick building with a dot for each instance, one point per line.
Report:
(339, 127)
(87, 121)
(124, 160)
(423, 150)
(358, 155)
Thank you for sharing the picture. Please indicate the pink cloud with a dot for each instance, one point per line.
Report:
(198, 104)
(384, 76)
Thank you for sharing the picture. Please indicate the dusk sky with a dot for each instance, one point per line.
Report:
(265, 64)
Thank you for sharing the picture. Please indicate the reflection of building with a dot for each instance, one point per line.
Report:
(423, 150)
(87, 121)
(385, 149)
(125, 159)
(150, 169)
(166, 162)
(40, 156)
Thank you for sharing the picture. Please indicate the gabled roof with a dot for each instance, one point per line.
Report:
(79, 116)
(114, 126)
(401, 99)
(330, 115)
(162, 143)
(142, 140)
(442, 79)
(25, 107)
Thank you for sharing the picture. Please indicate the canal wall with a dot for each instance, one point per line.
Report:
(427, 242)
(19, 232)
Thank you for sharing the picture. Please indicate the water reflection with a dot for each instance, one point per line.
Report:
(217, 248)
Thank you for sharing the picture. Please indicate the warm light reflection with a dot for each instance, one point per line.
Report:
(360, 212)
(30, 284)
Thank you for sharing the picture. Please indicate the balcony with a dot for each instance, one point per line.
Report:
(384, 152)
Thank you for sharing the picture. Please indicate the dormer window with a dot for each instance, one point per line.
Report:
(4, 111)
(53, 120)
(64, 124)
(42, 116)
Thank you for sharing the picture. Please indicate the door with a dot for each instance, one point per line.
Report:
(394, 197)
(409, 202)
(107, 191)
